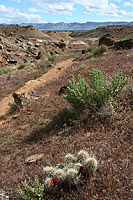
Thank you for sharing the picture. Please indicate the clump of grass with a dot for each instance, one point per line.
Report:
(43, 64)
(13, 107)
(71, 54)
(4, 70)
(92, 60)
(52, 58)
(99, 50)
(21, 66)
(82, 67)
(89, 49)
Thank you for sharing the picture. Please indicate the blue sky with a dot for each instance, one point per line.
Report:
(43, 11)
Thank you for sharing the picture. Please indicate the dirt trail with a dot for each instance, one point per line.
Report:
(32, 84)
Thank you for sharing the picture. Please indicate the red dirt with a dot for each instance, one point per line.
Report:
(33, 84)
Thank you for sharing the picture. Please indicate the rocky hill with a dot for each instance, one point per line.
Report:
(73, 26)
(120, 32)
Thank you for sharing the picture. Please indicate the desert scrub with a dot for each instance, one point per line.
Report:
(97, 94)
(92, 60)
(28, 192)
(4, 70)
(13, 107)
(89, 49)
(63, 176)
(78, 93)
(71, 54)
(21, 66)
(82, 67)
(43, 64)
(99, 50)
(52, 58)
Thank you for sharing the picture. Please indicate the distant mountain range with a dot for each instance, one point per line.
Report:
(73, 26)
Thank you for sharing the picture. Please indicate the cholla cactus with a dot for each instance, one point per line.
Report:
(91, 164)
(70, 158)
(49, 170)
(82, 156)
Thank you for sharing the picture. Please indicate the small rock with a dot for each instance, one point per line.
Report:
(83, 51)
(1, 46)
(25, 60)
(37, 45)
(12, 61)
(33, 158)
(15, 116)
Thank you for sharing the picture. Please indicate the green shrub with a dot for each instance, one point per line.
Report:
(99, 50)
(13, 107)
(21, 66)
(43, 64)
(92, 60)
(98, 94)
(82, 67)
(71, 54)
(78, 92)
(28, 192)
(52, 58)
(4, 70)
(89, 49)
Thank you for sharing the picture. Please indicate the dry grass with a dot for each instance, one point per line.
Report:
(36, 130)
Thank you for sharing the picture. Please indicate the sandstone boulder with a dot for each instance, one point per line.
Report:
(107, 40)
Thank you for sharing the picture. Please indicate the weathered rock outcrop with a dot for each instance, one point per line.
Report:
(125, 44)
(108, 40)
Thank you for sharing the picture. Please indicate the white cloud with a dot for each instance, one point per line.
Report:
(128, 3)
(11, 15)
(57, 7)
(65, 7)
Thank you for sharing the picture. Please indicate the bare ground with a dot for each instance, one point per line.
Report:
(31, 85)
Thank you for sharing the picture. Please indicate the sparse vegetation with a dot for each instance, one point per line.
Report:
(92, 60)
(28, 192)
(62, 177)
(4, 70)
(90, 49)
(99, 50)
(71, 54)
(22, 65)
(13, 107)
(82, 67)
(52, 58)
(49, 125)
(43, 64)
(98, 94)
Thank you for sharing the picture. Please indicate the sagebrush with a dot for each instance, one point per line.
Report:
(99, 91)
